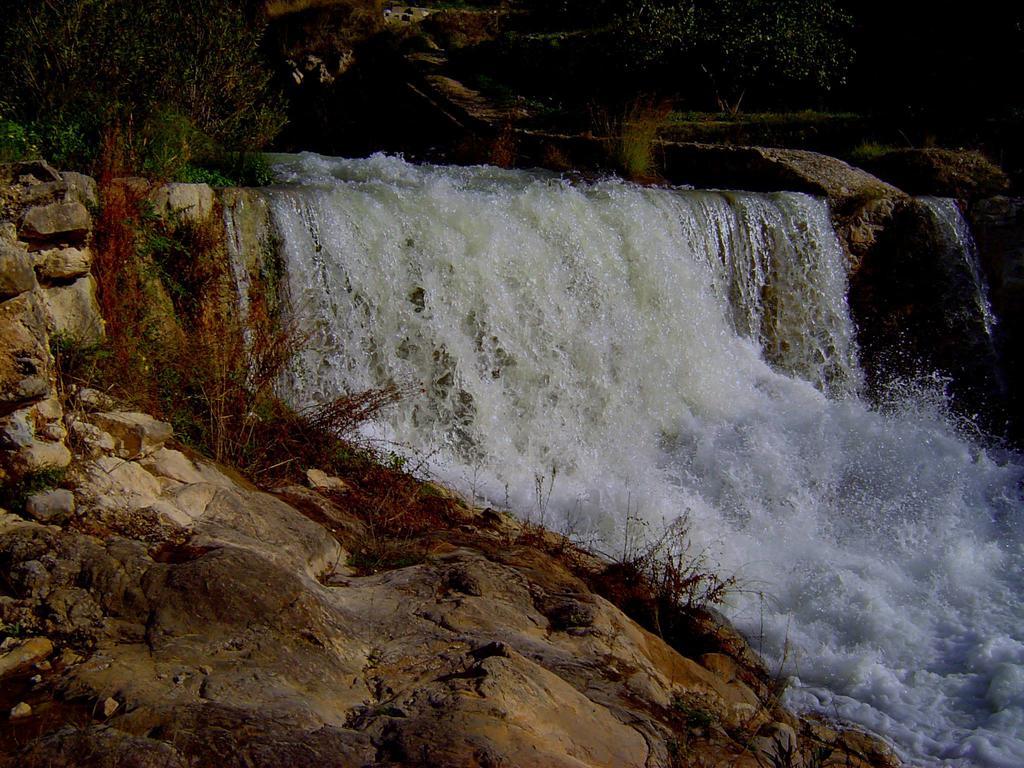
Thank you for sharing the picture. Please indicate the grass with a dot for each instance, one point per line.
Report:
(630, 137)
(867, 151)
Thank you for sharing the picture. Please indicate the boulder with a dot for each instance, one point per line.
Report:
(998, 226)
(25, 363)
(24, 655)
(763, 169)
(62, 264)
(963, 174)
(81, 188)
(28, 172)
(321, 481)
(192, 203)
(65, 222)
(16, 275)
(135, 434)
(74, 311)
(51, 506)
(862, 205)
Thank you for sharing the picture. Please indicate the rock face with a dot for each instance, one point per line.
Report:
(915, 302)
(44, 230)
(998, 225)
(962, 174)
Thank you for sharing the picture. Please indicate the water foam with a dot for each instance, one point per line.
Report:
(589, 353)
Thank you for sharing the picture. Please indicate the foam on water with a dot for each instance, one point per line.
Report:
(592, 352)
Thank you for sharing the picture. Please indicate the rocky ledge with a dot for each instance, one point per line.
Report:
(170, 614)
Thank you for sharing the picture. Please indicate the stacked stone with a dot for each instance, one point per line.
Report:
(45, 288)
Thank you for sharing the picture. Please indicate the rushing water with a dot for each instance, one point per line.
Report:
(598, 353)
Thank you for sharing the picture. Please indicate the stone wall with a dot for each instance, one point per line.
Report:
(45, 289)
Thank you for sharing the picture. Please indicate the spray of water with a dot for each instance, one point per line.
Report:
(640, 353)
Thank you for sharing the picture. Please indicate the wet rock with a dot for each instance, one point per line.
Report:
(23, 655)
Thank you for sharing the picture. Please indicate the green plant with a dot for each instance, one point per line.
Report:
(13, 630)
(867, 151)
(692, 714)
(16, 143)
(15, 495)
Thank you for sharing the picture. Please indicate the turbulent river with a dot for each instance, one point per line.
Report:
(609, 358)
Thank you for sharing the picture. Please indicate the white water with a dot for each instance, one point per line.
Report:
(588, 353)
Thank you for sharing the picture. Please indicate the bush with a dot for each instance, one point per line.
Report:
(16, 143)
(75, 68)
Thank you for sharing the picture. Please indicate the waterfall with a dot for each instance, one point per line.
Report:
(595, 353)
(963, 252)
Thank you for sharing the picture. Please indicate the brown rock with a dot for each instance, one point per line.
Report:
(16, 274)
(962, 174)
(25, 363)
(63, 263)
(24, 655)
(135, 434)
(74, 310)
(67, 222)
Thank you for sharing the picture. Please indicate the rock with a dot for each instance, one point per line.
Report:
(63, 263)
(191, 203)
(81, 188)
(914, 301)
(963, 174)
(93, 400)
(321, 481)
(25, 362)
(20, 711)
(24, 655)
(89, 439)
(998, 226)
(763, 169)
(31, 171)
(68, 222)
(110, 706)
(52, 506)
(43, 193)
(135, 434)
(74, 311)
(16, 274)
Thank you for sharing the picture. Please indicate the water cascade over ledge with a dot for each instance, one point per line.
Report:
(603, 353)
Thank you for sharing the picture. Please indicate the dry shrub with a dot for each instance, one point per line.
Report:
(663, 586)
(505, 147)
(178, 348)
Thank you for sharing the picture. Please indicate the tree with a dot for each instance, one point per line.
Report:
(770, 45)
